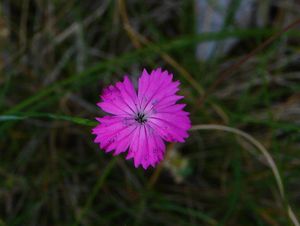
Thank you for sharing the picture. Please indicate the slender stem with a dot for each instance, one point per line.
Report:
(95, 190)
(226, 73)
(266, 154)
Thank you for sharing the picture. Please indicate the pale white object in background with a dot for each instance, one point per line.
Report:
(211, 16)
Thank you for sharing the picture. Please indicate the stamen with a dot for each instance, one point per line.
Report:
(140, 118)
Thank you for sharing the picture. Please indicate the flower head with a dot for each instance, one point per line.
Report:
(141, 121)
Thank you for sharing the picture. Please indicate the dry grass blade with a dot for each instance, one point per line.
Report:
(138, 40)
(265, 153)
(225, 74)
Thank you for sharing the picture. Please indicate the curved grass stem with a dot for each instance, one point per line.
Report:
(265, 153)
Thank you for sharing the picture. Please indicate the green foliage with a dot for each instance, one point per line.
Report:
(56, 57)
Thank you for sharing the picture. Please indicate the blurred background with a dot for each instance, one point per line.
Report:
(57, 56)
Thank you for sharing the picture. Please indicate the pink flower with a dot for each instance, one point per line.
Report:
(140, 122)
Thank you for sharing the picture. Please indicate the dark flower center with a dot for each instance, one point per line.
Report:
(140, 118)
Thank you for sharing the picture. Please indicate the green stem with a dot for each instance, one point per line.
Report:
(265, 153)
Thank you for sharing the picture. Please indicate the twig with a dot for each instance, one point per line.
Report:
(226, 73)
(266, 154)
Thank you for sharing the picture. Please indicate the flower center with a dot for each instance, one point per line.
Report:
(140, 118)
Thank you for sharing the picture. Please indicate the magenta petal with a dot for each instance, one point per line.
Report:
(147, 148)
(119, 99)
(128, 94)
(125, 140)
(110, 131)
(170, 126)
(140, 121)
(155, 86)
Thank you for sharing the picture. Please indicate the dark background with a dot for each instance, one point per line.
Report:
(57, 56)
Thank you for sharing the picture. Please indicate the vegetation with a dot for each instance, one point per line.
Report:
(57, 56)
